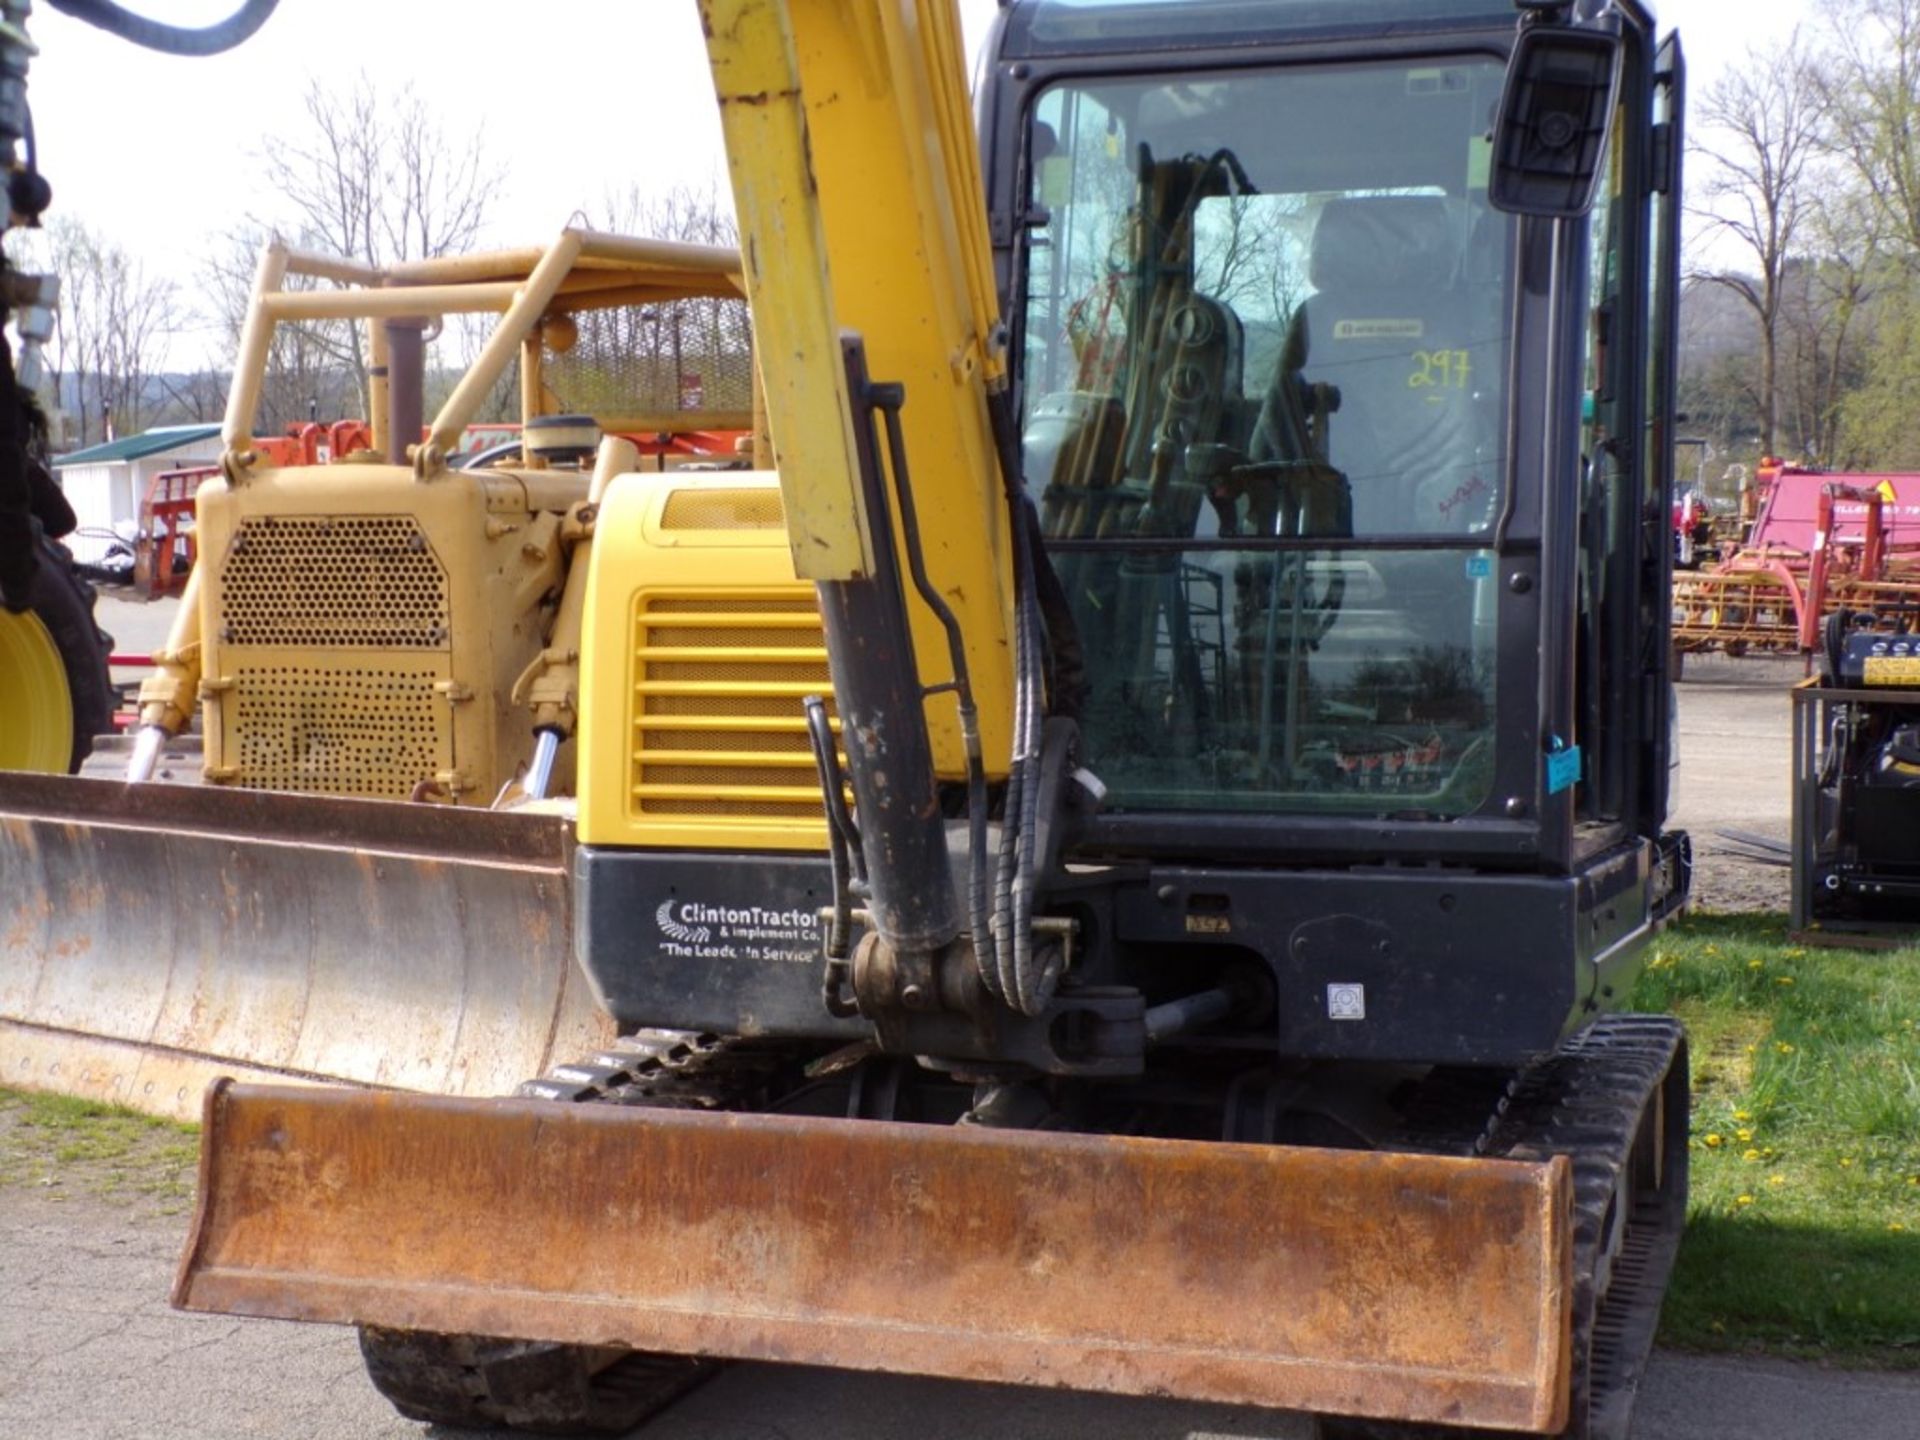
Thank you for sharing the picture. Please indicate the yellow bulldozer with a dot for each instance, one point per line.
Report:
(381, 654)
(1115, 865)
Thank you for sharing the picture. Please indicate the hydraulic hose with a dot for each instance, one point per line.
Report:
(119, 21)
(1024, 987)
(889, 399)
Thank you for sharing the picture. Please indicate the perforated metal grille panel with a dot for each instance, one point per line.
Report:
(369, 581)
(723, 510)
(691, 355)
(719, 728)
(339, 731)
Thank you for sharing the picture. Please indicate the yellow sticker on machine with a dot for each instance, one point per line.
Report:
(1892, 670)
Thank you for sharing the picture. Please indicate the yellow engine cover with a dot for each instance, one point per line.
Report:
(698, 647)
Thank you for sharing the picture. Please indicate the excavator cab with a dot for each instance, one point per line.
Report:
(1150, 917)
(1352, 619)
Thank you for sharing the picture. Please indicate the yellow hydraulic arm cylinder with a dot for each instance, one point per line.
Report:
(857, 182)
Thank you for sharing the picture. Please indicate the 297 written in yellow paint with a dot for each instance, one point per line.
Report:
(1440, 369)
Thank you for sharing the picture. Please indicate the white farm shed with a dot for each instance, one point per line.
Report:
(106, 483)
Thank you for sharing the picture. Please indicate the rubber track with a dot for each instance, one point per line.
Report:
(471, 1381)
(1586, 1102)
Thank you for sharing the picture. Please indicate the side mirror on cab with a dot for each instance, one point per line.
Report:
(1551, 132)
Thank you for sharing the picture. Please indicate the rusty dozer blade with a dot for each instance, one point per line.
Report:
(154, 936)
(1387, 1285)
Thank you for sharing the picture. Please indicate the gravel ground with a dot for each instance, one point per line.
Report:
(93, 1353)
(1736, 763)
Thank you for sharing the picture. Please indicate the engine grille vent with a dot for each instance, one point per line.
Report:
(360, 582)
(723, 510)
(719, 729)
(321, 730)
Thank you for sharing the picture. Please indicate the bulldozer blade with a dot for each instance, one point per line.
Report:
(1395, 1286)
(153, 937)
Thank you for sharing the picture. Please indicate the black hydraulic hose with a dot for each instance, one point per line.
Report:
(1013, 880)
(826, 758)
(213, 39)
(820, 736)
(889, 399)
(1029, 990)
(1035, 986)
(1015, 886)
(840, 844)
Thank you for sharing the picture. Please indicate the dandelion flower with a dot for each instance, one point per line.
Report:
(1742, 1116)
(1743, 1200)
(1776, 1180)
(1752, 1157)
(1756, 964)
(1783, 1047)
(1783, 979)
(1713, 1142)
(1742, 1135)
(1796, 954)
(1846, 1162)
(1897, 1228)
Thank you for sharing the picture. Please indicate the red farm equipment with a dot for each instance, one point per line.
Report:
(1820, 543)
(163, 548)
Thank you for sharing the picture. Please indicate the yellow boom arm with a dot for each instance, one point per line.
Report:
(857, 183)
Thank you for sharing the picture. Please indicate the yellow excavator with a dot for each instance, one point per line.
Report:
(1117, 865)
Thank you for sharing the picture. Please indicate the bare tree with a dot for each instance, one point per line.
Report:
(1871, 85)
(115, 323)
(310, 365)
(371, 176)
(1760, 139)
(1872, 99)
(374, 177)
(1825, 315)
(696, 214)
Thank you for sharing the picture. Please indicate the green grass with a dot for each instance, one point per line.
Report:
(1804, 1234)
(62, 1146)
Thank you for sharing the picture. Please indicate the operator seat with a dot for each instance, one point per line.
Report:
(1389, 326)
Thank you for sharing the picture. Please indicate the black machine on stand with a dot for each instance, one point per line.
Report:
(1856, 795)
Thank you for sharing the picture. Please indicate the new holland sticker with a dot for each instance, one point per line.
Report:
(1379, 329)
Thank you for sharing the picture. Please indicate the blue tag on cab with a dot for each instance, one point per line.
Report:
(1563, 769)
